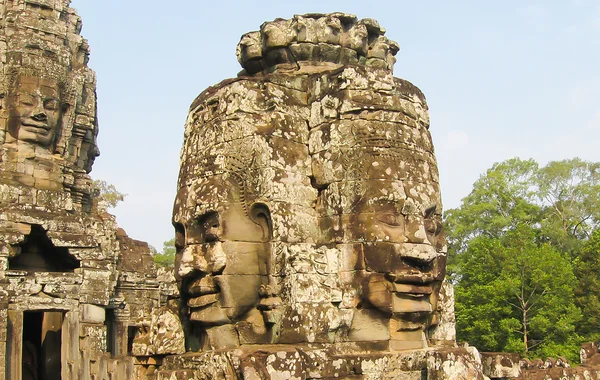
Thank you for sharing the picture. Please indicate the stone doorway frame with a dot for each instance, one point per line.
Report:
(70, 360)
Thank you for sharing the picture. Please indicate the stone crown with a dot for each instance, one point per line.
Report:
(315, 38)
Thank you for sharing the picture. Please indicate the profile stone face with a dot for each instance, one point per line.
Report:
(222, 241)
(335, 154)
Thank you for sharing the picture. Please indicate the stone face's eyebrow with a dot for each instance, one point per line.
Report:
(384, 203)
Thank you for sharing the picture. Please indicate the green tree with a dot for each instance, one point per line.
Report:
(569, 192)
(480, 296)
(543, 217)
(517, 295)
(106, 192)
(499, 200)
(166, 257)
(561, 198)
(587, 293)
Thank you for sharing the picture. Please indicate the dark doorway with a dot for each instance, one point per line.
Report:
(111, 332)
(42, 345)
(131, 330)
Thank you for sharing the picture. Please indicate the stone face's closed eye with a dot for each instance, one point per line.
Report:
(392, 220)
(51, 104)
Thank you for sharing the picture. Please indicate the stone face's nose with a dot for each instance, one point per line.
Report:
(206, 258)
(424, 253)
(94, 152)
(215, 257)
(192, 259)
(39, 114)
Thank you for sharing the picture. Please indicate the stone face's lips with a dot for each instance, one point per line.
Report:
(416, 278)
(209, 316)
(35, 124)
(203, 300)
(411, 303)
(412, 289)
(203, 292)
(411, 297)
(203, 286)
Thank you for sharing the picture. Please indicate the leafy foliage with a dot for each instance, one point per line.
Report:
(166, 257)
(499, 200)
(562, 199)
(107, 192)
(569, 191)
(520, 258)
(516, 295)
(587, 294)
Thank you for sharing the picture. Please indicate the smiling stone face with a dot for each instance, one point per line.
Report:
(392, 229)
(48, 118)
(221, 243)
(402, 246)
(34, 111)
(373, 156)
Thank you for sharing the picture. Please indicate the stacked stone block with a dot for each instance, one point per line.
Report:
(66, 269)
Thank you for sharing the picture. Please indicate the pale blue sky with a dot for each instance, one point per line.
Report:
(502, 79)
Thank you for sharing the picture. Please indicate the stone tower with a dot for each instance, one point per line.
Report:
(73, 287)
(308, 213)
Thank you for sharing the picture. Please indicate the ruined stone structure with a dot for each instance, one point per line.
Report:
(74, 289)
(308, 215)
(307, 221)
(317, 178)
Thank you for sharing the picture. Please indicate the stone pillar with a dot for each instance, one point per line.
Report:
(122, 317)
(14, 345)
(3, 331)
(71, 360)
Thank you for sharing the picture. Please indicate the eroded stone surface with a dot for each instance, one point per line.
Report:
(316, 39)
(308, 218)
(308, 221)
(315, 186)
(73, 285)
(500, 365)
(162, 335)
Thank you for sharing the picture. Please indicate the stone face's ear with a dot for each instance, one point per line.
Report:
(260, 214)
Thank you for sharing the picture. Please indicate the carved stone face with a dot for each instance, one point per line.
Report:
(402, 242)
(35, 111)
(221, 244)
(90, 147)
(249, 47)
